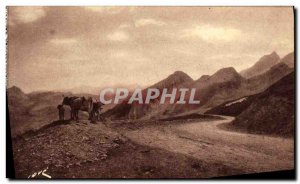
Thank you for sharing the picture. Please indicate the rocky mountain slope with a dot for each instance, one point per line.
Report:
(224, 85)
(236, 106)
(256, 85)
(31, 111)
(227, 85)
(261, 66)
(232, 107)
(272, 111)
(136, 111)
(289, 60)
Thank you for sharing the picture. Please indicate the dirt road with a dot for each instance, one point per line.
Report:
(81, 149)
(195, 148)
(207, 142)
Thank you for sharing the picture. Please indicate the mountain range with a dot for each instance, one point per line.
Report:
(224, 85)
(33, 110)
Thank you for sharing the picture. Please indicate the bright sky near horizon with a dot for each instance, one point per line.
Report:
(52, 48)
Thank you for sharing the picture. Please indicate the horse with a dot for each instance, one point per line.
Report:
(87, 105)
(69, 101)
(78, 103)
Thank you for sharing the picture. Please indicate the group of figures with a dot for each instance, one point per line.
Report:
(80, 104)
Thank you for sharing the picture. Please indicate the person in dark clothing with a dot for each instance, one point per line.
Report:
(97, 107)
(61, 112)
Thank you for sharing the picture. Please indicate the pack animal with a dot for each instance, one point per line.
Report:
(79, 103)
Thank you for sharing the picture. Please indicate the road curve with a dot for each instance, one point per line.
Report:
(205, 141)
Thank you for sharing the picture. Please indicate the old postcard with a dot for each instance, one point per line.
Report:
(150, 92)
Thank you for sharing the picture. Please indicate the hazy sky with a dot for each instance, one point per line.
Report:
(52, 48)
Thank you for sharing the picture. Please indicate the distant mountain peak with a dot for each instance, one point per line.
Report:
(226, 70)
(274, 53)
(225, 74)
(16, 92)
(15, 89)
(179, 76)
(175, 79)
(262, 65)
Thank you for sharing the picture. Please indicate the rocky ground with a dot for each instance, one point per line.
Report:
(63, 145)
(169, 149)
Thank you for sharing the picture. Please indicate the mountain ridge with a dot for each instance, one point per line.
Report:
(261, 66)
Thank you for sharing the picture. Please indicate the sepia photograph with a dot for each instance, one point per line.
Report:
(150, 92)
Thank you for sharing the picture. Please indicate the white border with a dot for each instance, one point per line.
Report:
(4, 3)
(151, 3)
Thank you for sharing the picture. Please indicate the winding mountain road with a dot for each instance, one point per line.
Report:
(205, 141)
